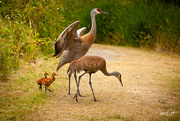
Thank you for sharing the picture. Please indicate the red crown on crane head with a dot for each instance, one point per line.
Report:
(98, 10)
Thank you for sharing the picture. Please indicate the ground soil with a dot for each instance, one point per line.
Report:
(151, 88)
(147, 93)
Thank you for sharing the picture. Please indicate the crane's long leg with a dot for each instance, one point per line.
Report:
(91, 86)
(75, 76)
(69, 83)
(77, 93)
(40, 87)
(45, 89)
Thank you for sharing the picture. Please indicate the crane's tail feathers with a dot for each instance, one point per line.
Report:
(54, 55)
(57, 55)
(57, 52)
(57, 69)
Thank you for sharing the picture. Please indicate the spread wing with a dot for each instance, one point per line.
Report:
(81, 31)
(68, 38)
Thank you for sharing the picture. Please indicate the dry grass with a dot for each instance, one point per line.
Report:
(151, 85)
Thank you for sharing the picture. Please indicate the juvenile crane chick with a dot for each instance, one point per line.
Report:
(39, 81)
(48, 81)
(90, 64)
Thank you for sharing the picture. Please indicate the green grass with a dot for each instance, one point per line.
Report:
(118, 117)
(20, 95)
(175, 87)
(19, 106)
(18, 101)
(106, 118)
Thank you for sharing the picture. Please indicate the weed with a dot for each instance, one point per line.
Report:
(118, 117)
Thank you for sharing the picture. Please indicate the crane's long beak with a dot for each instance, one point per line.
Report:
(121, 82)
(104, 12)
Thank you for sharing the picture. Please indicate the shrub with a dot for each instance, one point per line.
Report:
(136, 23)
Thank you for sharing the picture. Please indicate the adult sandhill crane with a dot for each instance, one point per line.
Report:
(71, 44)
(39, 81)
(90, 64)
(48, 81)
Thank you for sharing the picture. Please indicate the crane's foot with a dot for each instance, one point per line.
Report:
(49, 90)
(96, 100)
(76, 96)
(81, 95)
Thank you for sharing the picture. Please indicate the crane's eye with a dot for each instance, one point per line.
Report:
(98, 10)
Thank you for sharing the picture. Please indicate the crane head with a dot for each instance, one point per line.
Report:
(54, 74)
(98, 11)
(46, 74)
(119, 77)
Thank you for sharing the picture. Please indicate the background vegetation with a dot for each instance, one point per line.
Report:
(29, 28)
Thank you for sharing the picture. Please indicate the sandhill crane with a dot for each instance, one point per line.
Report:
(71, 44)
(39, 81)
(90, 64)
(48, 81)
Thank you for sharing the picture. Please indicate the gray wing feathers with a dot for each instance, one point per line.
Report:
(66, 39)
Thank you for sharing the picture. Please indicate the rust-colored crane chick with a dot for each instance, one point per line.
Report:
(39, 81)
(90, 64)
(48, 81)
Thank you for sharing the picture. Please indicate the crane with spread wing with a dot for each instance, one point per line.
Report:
(72, 44)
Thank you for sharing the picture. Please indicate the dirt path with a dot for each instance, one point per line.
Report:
(151, 88)
(148, 79)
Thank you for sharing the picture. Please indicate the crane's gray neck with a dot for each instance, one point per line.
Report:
(114, 73)
(110, 74)
(93, 26)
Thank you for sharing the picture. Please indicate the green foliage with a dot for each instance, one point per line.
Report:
(46, 17)
(27, 27)
(137, 23)
(17, 42)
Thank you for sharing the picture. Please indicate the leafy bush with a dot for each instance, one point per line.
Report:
(16, 43)
(26, 30)
(147, 23)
